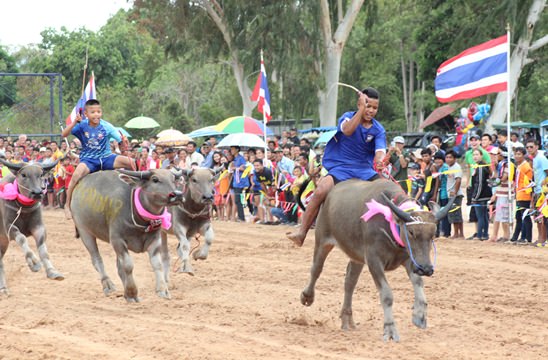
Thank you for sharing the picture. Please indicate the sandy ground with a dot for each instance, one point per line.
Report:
(486, 301)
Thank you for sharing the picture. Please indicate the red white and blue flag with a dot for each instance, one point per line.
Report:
(261, 94)
(477, 71)
(89, 93)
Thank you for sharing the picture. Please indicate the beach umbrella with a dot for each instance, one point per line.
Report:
(243, 140)
(142, 122)
(205, 131)
(242, 124)
(437, 114)
(325, 137)
(172, 137)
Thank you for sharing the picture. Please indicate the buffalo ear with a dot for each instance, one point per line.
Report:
(132, 178)
(131, 181)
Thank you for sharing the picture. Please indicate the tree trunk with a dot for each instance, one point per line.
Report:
(243, 87)
(333, 44)
(518, 61)
(411, 94)
(404, 87)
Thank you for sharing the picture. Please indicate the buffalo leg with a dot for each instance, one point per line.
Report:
(124, 263)
(209, 235)
(90, 243)
(321, 250)
(420, 306)
(183, 250)
(166, 260)
(387, 299)
(154, 254)
(39, 235)
(3, 248)
(21, 240)
(353, 271)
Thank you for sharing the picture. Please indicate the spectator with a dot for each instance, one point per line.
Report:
(481, 193)
(398, 157)
(454, 178)
(440, 194)
(193, 155)
(171, 159)
(500, 198)
(540, 172)
(207, 154)
(524, 174)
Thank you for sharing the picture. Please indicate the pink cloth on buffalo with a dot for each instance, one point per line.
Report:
(10, 191)
(165, 216)
(377, 208)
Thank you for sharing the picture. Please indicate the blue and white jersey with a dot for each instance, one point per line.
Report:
(95, 140)
(352, 157)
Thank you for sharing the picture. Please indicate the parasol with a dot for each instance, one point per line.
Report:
(436, 115)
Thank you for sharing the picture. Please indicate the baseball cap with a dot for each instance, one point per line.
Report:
(207, 143)
(168, 150)
(42, 149)
(278, 150)
(414, 166)
(494, 150)
(399, 139)
(474, 136)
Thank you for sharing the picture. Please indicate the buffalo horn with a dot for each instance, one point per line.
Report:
(12, 166)
(399, 212)
(218, 169)
(143, 175)
(48, 167)
(445, 210)
(178, 172)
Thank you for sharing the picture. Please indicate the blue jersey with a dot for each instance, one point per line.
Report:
(351, 157)
(95, 140)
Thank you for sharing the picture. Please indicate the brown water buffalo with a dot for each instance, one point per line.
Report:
(190, 218)
(21, 216)
(109, 205)
(373, 243)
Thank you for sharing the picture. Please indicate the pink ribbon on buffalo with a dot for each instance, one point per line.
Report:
(377, 208)
(10, 191)
(165, 217)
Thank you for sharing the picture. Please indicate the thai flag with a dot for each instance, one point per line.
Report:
(89, 93)
(261, 94)
(477, 71)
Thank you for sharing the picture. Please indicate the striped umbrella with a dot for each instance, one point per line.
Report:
(242, 124)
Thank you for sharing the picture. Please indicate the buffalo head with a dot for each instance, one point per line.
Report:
(417, 230)
(30, 177)
(158, 186)
(201, 184)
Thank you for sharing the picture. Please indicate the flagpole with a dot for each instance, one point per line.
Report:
(264, 124)
(508, 130)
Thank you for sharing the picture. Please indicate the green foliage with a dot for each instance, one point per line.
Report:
(7, 84)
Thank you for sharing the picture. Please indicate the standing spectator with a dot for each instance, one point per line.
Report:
(239, 182)
(454, 178)
(399, 158)
(427, 168)
(481, 193)
(155, 162)
(524, 175)
(193, 155)
(144, 162)
(500, 198)
(514, 138)
(207, 153)
(540, 172)
(171, 159)
(262, 191)
(438, 142)
(183, 158)
(440, 195)
(294, 136)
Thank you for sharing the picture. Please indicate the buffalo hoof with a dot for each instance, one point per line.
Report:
(347, 321)
(419, 321)
(164, 294)
(391, 333)
(108, 286)
(307, 299)
(186, 269)
(55, 275)
(132, 299)
(34, 264)
(4, 292)
(199, 255)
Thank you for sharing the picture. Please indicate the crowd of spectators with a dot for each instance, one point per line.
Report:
(266, 188)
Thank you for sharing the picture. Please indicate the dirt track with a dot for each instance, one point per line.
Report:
(485, 302)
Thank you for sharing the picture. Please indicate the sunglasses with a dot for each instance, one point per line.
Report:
(529, 147)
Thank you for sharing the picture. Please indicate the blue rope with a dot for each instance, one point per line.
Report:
(411, 251)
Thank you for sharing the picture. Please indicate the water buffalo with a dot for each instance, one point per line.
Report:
(190, 218)
(375, 243)
(127, 209)
(21, 216)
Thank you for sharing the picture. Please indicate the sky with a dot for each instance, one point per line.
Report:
(21, 21)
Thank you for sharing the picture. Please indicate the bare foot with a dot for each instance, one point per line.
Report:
(296, 237)
(491, 240)
(68, 214)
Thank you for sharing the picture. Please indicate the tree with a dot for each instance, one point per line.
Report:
(7, 84)
(520, 58)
